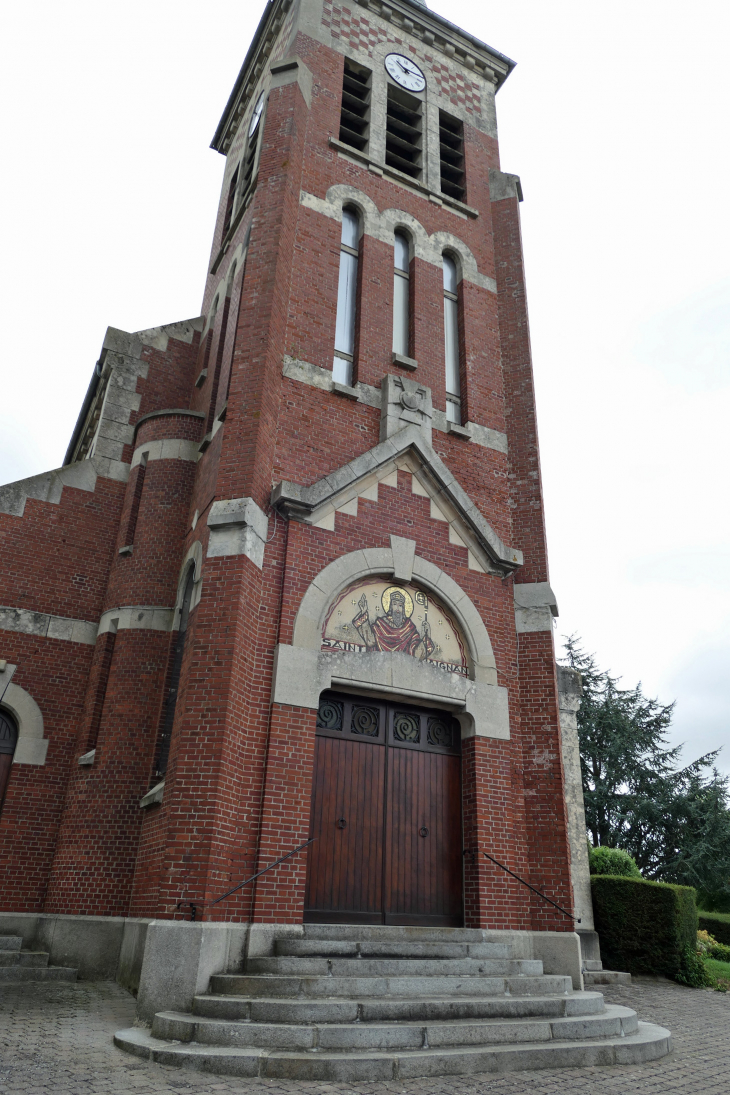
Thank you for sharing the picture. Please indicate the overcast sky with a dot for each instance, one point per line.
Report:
(616, 120)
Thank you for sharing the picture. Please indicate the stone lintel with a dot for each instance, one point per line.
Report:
(301, 675)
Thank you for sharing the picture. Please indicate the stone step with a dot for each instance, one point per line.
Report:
(648, 1043)
(351, 1037)
(10, 942)
(606, 977)
(328, 948)
(36, 959)
(395, 967)
(379, 933)
(16, 974)
(481, 985)
(592, 965)
(392, 1009)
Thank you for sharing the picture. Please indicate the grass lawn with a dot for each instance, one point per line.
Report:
(720, 971)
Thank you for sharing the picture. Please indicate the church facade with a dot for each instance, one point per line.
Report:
(289, 591)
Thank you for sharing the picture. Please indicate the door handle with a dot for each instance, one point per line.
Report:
(423, 831)
(341, 824)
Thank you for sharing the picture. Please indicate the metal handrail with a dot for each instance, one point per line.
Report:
(194, 906)
(565, 912)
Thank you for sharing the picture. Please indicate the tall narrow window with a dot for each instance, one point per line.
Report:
(221, 351)
(174, 677)
(403, 136)
(355, 112)
(347, 298)
(8, 741)
(102, 668)
(248, 173)
(244, 260)
(230, 201)
(402, 295)
(451, 333)
(453, 176)
(136, 500)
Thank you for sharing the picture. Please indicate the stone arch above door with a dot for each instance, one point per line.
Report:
(303, 671)
(31, 747)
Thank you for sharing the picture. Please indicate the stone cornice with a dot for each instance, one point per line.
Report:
(254, 64)
(407, 15)
(444, 36)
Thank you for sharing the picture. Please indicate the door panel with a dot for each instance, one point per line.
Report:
(386, 812)
(423, 845)
(345, 869)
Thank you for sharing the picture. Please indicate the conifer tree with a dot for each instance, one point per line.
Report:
(674, 821)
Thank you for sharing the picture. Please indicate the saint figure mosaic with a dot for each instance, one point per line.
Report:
(377, 616)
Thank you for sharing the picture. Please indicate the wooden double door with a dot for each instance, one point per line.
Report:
(386, 814)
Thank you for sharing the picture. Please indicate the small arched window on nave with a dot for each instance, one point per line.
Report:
(8, 741)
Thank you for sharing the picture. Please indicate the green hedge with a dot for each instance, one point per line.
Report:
(647, 927)
(613, 861)
(714, 902)
(717, 924)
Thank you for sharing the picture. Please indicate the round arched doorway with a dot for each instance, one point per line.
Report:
(8, 741)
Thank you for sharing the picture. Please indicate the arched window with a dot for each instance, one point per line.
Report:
(244, 260)
(8, 741)
(402, 296)
(213, 312)
(175, 670)
(451, 335)
(347, 297)
(213, 403)
(230, 279)
(230, 201)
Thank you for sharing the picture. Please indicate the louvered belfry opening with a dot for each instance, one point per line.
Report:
(355, 113)
(404, 132)
(453, 176)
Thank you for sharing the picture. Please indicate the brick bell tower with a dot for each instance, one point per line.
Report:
(291, 581)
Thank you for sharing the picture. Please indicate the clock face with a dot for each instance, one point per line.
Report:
(405, 72)
(257, 112)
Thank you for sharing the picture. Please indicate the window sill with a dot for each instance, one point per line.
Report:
(403, 179)
(87, 759)
(459, 431)
(153, 796)
(346, 390)
(404, 362)
(127, 549)
(201, 379)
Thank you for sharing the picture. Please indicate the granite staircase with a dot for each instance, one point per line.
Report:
(594, 974)
(18, 965)
(365, 1003)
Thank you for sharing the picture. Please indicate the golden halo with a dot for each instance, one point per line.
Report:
(397, 589)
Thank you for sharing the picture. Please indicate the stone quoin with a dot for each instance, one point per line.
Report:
(291, 581)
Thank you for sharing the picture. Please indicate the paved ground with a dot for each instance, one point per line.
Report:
(56, 1040)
